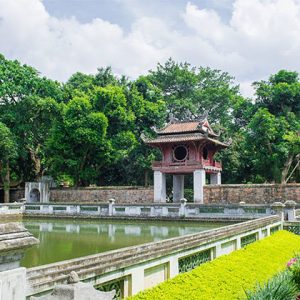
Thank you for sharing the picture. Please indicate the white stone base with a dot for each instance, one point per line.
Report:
(159, 187)
(199, 182)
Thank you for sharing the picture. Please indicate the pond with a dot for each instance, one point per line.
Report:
(66, 239)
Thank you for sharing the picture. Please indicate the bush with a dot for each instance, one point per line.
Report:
(280, 287)
(227, 277)
(65, 179)
(294, 269)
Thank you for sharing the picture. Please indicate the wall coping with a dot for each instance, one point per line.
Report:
(188, 204)
(250, 185)
(88, 188)
(245, 185)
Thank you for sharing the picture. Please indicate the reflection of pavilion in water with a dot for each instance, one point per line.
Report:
(112, 230)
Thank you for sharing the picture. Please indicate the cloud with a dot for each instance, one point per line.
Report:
(260, 37)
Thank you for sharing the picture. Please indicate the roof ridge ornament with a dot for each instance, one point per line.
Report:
(172, 118)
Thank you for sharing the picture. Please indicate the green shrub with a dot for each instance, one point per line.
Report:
(227, 277)
(280, 287)
(294, 270)
(65, 179)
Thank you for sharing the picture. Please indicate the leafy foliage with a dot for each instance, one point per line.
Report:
(90, 127)
(280, 287)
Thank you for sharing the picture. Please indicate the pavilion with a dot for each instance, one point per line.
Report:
(187, 147)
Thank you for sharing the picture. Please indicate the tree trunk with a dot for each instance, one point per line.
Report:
(6, 183)
(38, 171)
(146, 178)
(286, 168)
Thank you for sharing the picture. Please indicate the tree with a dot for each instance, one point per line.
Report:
(269, 147)
(191, 92)
(29, 105)
(280, 94)
(76, 145)
(280, 98)
(8, 152)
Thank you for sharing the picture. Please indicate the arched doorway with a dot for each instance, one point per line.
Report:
(35, 195)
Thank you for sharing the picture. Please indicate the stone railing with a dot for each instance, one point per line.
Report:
(135, 268)
(11, 208)
(297, 213)
(174, 210)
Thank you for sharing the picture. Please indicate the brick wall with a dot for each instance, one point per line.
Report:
(251, 193)
(120, 194)
(227, 193)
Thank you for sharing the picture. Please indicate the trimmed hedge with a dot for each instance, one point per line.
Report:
(227, 277)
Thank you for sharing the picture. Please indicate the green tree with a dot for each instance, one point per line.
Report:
(8, 152)
(76, 145)
(28, 108)
(280, 96)
(271, 152)
(190, 92)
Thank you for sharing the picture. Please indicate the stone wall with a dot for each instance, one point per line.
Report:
(227, 193)
(251, 193)
(120, 194)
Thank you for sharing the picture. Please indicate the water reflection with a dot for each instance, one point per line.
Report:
(66, 239)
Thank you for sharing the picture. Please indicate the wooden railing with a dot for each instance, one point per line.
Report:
(206, 163)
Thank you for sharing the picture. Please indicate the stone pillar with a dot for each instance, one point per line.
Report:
(14, 240)
(215, 178)
(178, 187)
(199, 182)
(289, 210)
(137, 280)
(159, 187)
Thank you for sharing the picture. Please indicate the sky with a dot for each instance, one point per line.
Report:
(249, 39)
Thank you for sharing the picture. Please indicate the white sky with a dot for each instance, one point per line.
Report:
(250, 39)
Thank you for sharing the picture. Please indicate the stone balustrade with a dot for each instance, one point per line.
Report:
(178, 210)
(11, 208)
(135, 268)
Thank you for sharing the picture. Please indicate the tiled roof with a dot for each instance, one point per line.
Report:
(182, 138)
(180, 127)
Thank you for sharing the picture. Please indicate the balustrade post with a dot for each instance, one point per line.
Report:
(289, 210)
(68, 209)
(277, 208)
(111, 203)
(182, 207)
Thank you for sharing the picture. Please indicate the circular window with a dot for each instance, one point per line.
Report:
(205, 153)
(180, 153)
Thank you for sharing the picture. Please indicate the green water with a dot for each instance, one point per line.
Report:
(66, 239)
